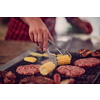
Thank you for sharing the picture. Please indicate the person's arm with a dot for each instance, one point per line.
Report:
(38, 31)
(83, 25)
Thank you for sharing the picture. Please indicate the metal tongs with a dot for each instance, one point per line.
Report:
(61, 51)
(52, 57)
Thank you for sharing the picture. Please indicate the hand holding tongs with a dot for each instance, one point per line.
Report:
(61, 51)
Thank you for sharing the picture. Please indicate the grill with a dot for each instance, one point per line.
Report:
(91, 76)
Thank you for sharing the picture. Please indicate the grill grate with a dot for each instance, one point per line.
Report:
(91, 76)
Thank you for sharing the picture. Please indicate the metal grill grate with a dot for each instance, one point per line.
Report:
(91, 76)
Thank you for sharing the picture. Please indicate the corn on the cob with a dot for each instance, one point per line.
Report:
(30, 59)
(46, 55)
(36, 54)
(67, 81)
(46, 68)
(64, 59)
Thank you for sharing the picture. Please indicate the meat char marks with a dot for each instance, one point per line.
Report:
(87, 62)
(8, 77)
(70, 71)
(28, 69)
(84, 52)
(36, 80)
(96, 53)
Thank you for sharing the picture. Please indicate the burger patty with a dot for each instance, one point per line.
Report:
(36, 80)
(87, 62)
(28, 69)
(70, 71)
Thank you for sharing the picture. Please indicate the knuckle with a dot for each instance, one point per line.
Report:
(40, 29)
(37, 30)
(44, 30)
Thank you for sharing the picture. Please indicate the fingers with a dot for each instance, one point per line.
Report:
(36, 38)
(89, 28)
(40, 38)
(45, 40)
(46, 35)
(31, 36)
(86, 27)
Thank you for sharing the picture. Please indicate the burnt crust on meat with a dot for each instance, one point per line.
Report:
(84, 52)
(36, 80)
(2, 74)
(96, 53)
(8, 77)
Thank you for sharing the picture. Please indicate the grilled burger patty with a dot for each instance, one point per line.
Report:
(87, 62)
(70, 71)
(28, 69)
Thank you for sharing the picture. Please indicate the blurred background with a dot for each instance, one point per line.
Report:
(3, 26)
(61, 27)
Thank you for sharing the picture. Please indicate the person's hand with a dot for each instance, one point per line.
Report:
(85, 26)
(38, 32)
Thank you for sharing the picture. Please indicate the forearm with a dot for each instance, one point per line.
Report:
(78, 23)
(74, 20)
(29, 20)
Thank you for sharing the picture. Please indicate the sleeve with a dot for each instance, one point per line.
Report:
(70, 19)
(73, 21)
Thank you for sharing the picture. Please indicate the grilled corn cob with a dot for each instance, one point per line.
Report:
(46, 68)
(64, 59)
(36, 54)
(46, 55)
(30, 59)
